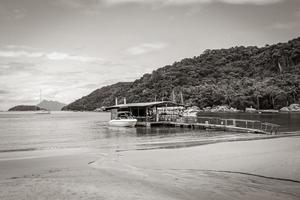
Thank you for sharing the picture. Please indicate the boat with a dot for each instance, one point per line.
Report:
(123, 119)
(42, 111)
(251, 110)
(191, 112)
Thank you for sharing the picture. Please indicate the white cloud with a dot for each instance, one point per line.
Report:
(20, 82)
(12, 14)
(253, 2)
(187, 2)
(50, 56)
(145, 48)
(64, 56)
(13, 54)
(284, 26)
(93, 3)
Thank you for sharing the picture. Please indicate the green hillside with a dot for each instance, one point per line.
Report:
(266, 77)
(25, 108)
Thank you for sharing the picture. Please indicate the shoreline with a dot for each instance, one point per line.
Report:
(275, 158)
(195, 143)
(254, 169)
(26, 153)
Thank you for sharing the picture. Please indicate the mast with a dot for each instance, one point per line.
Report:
(173, 96)
(40, 95)
(181, 98)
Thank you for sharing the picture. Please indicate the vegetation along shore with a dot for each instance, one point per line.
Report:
(263, 78)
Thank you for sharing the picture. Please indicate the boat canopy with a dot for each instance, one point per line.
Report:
(146, 104)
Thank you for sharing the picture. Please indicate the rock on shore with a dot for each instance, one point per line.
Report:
(292, 108)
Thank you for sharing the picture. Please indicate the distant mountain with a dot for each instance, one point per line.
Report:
(25, 108)
(265, 78)
(51, 105)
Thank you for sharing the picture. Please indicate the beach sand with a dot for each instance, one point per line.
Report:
(257, 169)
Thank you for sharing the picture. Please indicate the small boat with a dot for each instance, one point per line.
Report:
(191, 112)
(251, 110)
(123, 119)
(43, 112)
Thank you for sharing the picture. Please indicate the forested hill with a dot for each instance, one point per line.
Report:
(266, 77)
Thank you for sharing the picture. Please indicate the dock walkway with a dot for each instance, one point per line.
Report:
(214, 123)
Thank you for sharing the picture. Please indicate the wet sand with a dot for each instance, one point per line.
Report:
(258, 169)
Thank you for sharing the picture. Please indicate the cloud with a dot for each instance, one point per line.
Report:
(284, 26)
(18, 67)
(12, 13)
(297, 14)
(93, 3)
(4, 91)
(252, 2)
(188, 2)
(19, 13)
(13, 54)
(64, 56)
(58, 56)
(145, 48)
(79, 3)
(61, 81)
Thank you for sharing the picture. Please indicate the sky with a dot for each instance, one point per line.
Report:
(68, 48)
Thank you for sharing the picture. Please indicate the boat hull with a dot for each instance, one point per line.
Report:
(123, 122)
(43, 112)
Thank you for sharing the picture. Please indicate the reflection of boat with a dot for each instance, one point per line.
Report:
(123, 119)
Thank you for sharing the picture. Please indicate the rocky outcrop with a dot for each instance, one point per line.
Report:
(292, 108)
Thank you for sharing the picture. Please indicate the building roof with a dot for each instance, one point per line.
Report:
(146, 104)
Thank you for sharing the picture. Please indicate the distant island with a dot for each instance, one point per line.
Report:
(25, 108)
(43, 105)
(240, 77)
(51, 105)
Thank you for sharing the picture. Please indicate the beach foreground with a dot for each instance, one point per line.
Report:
(258, 169)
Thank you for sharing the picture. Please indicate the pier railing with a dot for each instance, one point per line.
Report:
(215, 122)
(251, 125)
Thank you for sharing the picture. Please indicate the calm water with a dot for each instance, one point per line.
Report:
(25, 131)
(287, 121)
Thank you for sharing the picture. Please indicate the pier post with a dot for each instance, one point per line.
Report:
(233, 122)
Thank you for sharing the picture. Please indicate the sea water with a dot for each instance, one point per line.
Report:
(28, 131)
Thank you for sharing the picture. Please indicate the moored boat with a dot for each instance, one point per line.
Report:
(43, 112)
(123, 119)
(191, 112)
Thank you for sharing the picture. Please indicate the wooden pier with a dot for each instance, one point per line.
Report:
(167, 113)
(214, 123)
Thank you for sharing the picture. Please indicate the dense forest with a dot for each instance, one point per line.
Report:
(264, 78)
(25, 108)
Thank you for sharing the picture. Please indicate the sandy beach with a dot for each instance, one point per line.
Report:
(257, 169)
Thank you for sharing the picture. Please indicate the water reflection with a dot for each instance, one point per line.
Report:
(62, 130)
(287, 121)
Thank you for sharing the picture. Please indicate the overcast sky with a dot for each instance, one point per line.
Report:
(68, 48)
